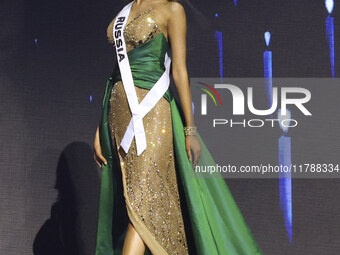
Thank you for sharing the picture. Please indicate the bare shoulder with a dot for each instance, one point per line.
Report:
(168, 11)
(175, 7)
(175, 10)
(110, 27)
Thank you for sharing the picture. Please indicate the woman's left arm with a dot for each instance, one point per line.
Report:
(177, 36)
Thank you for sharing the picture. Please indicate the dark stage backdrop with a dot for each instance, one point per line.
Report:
(49, 186)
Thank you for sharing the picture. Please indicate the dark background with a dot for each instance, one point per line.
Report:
(49, 185)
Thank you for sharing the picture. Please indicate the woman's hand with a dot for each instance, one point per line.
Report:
(193, 144)
(98, 156)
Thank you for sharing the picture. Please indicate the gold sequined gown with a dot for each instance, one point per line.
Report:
(149, 180)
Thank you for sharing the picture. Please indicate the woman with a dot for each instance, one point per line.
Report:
(149, 202)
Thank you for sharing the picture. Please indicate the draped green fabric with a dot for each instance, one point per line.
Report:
(214, 224)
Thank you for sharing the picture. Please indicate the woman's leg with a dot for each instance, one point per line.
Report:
(133, 244)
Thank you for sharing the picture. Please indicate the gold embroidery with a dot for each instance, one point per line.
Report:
(150, 179)
(139, 30)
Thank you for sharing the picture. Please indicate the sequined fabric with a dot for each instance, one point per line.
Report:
(139, 30)
(150, 181)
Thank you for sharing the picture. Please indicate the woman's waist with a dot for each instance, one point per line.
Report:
(146, 84)
(143, 73)
(143, 82)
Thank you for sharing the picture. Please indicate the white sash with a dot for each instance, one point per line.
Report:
(136, 127)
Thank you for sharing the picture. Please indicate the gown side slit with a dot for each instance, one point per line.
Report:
(149, 180)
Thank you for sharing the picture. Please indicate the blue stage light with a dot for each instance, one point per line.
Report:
(219, 39)
(267, 37)
(285, 178)
(286, 118)
(329, 5)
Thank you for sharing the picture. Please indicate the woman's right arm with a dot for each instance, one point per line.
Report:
(98, 156)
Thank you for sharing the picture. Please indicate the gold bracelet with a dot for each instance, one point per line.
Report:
(191, 130)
